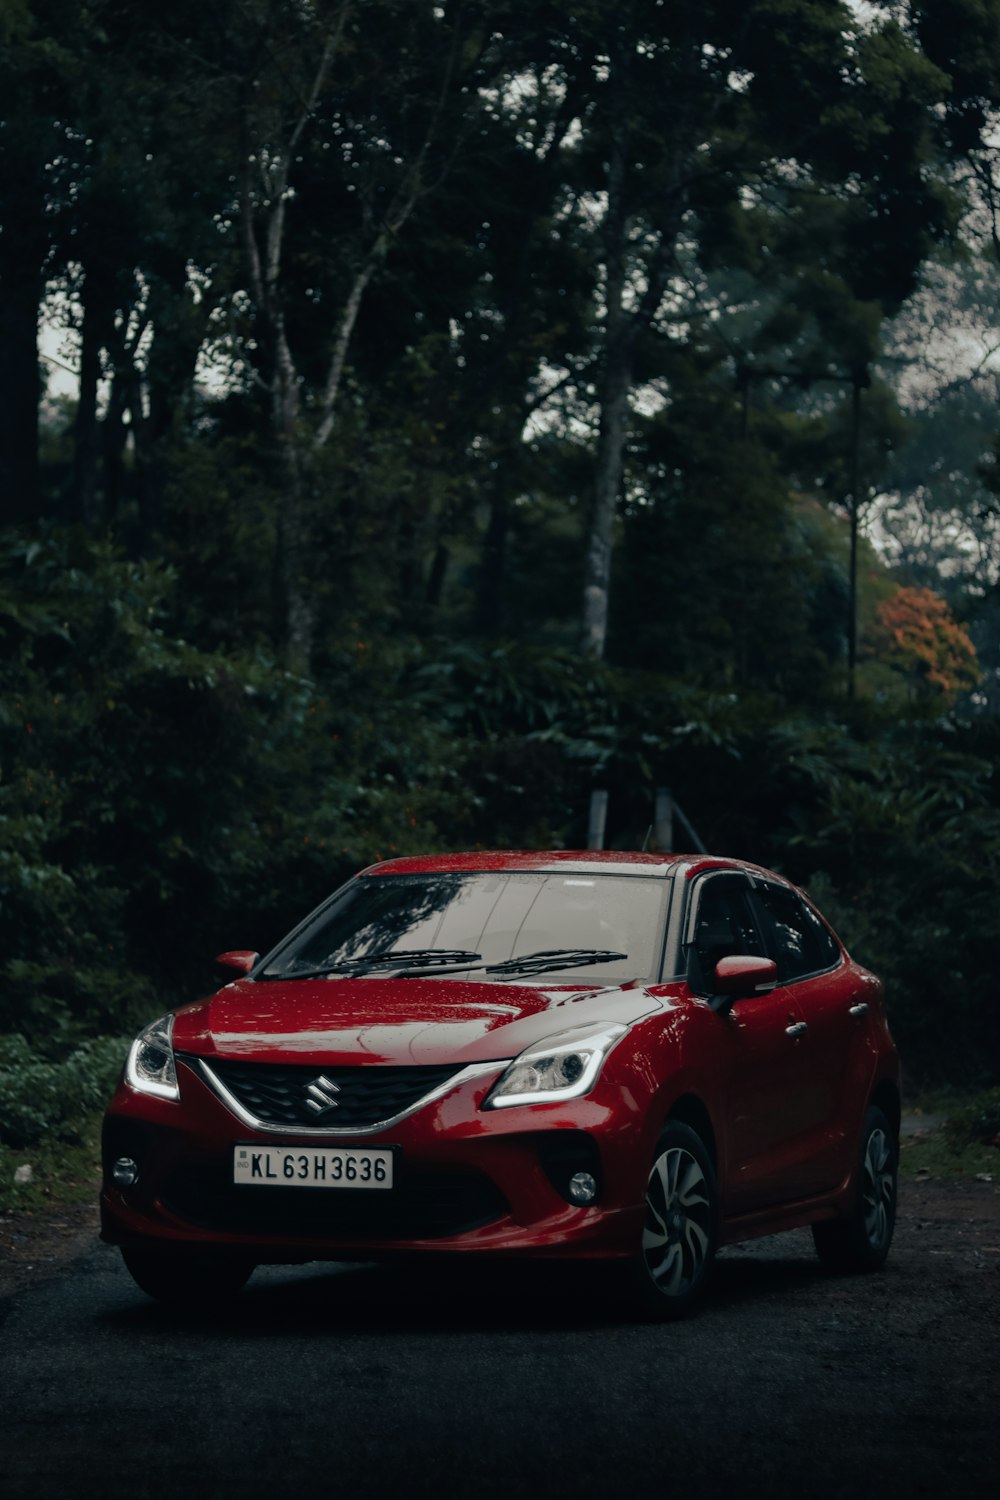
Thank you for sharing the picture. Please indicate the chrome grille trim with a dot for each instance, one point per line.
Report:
(215, 1083)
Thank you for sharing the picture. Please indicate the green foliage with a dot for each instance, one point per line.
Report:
(160, 803)
(44, 1094)
(62, 1171)
(899, 839)
(940, 1151)
(976, 1121)
(748, 584)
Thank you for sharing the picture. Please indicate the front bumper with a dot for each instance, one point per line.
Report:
(468, 1179)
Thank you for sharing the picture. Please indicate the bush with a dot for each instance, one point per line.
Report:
(40, 1098)
(160, 802)
(977, 1122)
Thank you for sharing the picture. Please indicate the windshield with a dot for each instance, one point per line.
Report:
(598, 928)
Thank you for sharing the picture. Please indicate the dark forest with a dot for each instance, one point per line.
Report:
(475, 405)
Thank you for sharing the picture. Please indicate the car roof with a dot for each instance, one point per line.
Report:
(603, 861)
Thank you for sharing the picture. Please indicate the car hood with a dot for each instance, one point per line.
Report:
(406, 1021)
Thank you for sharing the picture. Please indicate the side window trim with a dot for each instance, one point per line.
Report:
(668, 921)
(696, 892)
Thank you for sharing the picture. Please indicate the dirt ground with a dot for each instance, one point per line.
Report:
(441, 1380)
(35, 1246)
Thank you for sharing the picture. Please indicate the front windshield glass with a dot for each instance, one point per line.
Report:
(485, 918)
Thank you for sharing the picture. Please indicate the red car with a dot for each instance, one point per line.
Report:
(627, 1057)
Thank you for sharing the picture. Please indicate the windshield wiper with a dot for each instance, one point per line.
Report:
(554, 958)
(417, 963)
(406, 960)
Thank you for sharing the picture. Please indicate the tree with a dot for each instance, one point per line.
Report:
(34, 81)
(384, 91)
(916, 635)
(762, 129)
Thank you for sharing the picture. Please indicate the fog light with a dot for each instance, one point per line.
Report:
(582, 1188)
(125, 1172)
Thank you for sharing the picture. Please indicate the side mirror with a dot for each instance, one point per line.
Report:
(239, 962)
(741, 975)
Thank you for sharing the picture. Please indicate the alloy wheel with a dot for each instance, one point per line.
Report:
(676, 1239)
(878, 1187)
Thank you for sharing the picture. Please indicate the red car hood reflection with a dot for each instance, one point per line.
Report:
(391, 1020)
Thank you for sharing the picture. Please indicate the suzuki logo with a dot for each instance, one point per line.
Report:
(321, 1092)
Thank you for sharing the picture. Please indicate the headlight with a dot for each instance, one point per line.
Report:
(150, 1067)
(564, 1067)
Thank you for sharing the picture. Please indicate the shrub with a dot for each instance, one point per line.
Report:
(977, 1122)
(39, 1097)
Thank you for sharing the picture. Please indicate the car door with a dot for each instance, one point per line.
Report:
(834, 1056)
(755, 1053)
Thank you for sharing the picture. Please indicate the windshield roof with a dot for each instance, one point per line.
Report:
(496, 915)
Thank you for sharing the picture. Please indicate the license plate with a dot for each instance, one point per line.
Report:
(340, 1167)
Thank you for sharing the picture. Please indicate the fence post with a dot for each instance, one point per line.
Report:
(663, 821)
(598, 819)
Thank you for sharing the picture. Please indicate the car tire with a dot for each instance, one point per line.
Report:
(680, 1227)
(182, 1277)
(861, 1242)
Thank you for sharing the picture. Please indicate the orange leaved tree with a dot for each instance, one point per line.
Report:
(916, 635)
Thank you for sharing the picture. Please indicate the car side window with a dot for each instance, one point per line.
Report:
(724, 925)
(797, 940)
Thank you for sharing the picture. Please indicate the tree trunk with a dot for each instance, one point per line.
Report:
(507, 477)
(167, 387)
(438, 573)
(294, 532)
(85, 500)
(84, 503)
(615, 388)
(490, 596)
(114, 439)
(623, 326)
(148, 469)
(615, 385)
(20, 393)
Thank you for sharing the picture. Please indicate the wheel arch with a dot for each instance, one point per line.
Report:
(691, 1111)
(885, 1096)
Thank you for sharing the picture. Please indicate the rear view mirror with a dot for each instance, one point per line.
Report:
(741, 975)
(239, 962)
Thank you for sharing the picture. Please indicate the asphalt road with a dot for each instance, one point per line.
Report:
(440, 1381)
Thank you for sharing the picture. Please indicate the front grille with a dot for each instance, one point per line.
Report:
(422, 1205)
(276, 1093)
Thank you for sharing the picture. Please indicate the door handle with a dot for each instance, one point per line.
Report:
(859, 1010)
(798, 1028)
